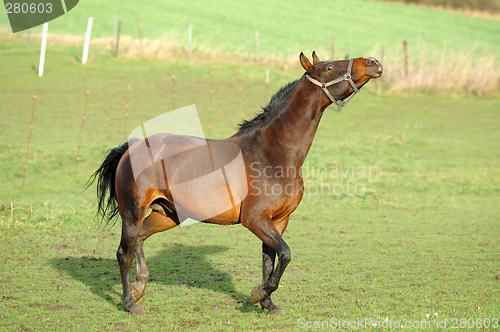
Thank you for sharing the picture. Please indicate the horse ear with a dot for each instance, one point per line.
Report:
(315, 58)
(305, 62)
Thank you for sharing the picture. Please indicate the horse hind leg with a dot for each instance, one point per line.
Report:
(157, 221)
(125, 255)
(142, 275)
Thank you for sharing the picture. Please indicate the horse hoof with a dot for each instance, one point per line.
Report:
(258, 294)
(136, 310)
(136, 295)
(276, 311)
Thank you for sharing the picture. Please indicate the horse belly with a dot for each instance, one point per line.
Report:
(229, 217)
(207, 183)
(208, 198)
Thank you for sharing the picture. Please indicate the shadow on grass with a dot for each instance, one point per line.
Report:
(176, 265)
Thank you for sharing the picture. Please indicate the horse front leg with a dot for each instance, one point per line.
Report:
(263, 291)
(271, 238)
(268, 259)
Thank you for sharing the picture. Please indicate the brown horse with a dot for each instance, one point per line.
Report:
(262, 196)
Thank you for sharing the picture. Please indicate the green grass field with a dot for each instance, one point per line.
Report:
(415, 240)
(422, 239)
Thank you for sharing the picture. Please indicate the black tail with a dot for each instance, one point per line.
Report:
(105, 175)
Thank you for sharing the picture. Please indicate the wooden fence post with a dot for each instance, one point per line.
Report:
(31, 26)
(240, 88)
(126, 115)
(256, 46)
(84, 117)
(266, 90)
(210, 108)
(118, 38)
(29, 141)
(113, 42)
(405, 48)
(333, 50)
(139, 29)
(173, 92)
(190, 40)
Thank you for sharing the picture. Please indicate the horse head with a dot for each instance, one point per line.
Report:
(343, 78)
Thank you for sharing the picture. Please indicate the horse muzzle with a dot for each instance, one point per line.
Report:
(374, 69)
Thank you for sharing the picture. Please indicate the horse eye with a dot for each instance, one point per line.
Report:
(330, 68)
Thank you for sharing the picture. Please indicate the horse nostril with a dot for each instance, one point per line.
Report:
(371, 62)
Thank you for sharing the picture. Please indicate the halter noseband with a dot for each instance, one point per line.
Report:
(347, 77)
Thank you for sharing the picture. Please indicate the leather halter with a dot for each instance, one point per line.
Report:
(346, 77)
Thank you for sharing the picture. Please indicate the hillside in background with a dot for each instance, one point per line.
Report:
(491, 6)
(448, 54)
(360, 27)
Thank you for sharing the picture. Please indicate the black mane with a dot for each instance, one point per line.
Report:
(275, 103)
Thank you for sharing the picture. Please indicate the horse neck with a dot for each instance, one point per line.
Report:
(296, 124)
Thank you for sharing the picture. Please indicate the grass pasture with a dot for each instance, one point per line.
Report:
(422, 239)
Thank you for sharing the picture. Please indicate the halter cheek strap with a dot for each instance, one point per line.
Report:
(324, 86)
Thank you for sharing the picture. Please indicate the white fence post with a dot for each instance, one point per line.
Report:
(87, 41)
(44, 44)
